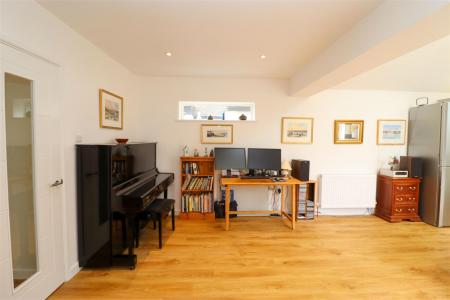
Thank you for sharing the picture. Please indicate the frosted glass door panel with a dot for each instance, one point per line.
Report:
(19, 154)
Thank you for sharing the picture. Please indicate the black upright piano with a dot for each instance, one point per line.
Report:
(115, 183)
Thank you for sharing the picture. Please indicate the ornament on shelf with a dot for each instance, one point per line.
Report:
(242, 117)
(196, 153)
(394, 163)
(185, 151)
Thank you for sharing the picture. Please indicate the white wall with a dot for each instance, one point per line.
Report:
(159, 113)
(84, 69)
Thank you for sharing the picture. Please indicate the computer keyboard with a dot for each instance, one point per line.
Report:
(255, 177)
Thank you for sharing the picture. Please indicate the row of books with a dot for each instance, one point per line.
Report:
(197, 203)
(305, 207)
(305, 210)
(191, 168)
(198, 183)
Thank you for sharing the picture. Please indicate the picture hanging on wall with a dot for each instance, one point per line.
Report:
(216, 134)
(297, 130)
(111, 110)
(348, 131)
(391, 132)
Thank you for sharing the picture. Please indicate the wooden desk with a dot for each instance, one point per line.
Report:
(291, 182)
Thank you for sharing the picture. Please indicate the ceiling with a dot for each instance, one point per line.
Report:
(426, 69)
(212, 38)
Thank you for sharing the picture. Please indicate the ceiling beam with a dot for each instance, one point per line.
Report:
(389, 31)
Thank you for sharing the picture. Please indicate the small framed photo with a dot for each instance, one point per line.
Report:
(216, 134)
(297, 130)
(348, 131)
(111, 110)
(391, 132)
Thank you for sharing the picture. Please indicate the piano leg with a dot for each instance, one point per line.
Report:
(165, 193)
(131, 257)
(173, 218)
(128, 260)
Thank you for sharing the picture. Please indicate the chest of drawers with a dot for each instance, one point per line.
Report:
(397, 198)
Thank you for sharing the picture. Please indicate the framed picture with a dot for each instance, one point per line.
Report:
(216, 134)
(348, 131)
(111, 110)
(297, 130)
(391, 132)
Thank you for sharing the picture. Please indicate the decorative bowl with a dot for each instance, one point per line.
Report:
(121, 141)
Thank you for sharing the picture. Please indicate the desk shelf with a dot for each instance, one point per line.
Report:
(307, 200)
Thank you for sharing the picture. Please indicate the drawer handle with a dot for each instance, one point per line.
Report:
(412, 199)
(399, 199)
(412, 188)
(400, 188)
(398, 210)
(411, 209)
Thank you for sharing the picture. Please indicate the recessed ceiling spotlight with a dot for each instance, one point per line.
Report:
(263, 56)
(168, 53)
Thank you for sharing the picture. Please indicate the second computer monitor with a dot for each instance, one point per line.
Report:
(229, 158)
(267, 159)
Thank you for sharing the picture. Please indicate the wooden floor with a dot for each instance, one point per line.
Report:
(260, 258)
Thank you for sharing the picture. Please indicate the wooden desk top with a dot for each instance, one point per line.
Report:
(240, 181)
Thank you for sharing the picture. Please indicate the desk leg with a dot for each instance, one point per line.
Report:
(283, 203)
(293, 205)
(227, 207)
(316, 199)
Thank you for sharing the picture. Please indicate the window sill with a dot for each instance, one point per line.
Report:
(216, 121)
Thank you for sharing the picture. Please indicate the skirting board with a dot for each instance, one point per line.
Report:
(345, 211)
(72, 271)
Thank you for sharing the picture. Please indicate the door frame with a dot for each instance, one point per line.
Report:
(30, 73)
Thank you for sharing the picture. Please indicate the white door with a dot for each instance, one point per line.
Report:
(31, 247)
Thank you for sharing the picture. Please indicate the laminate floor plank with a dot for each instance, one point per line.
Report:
(360, 257)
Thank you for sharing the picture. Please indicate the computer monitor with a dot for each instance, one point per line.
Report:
(267, 159)
(229, 158)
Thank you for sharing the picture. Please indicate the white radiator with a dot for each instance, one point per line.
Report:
(348, 190)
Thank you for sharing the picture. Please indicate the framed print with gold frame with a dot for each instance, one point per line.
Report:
(391, 132)
(297, 130)
(216, 134)
(111, 110)
(348, 131)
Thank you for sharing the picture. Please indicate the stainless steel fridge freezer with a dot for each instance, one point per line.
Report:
(429, 139)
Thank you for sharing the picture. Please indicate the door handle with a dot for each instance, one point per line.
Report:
(57, 182)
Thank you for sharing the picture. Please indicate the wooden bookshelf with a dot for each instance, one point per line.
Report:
(200, 169)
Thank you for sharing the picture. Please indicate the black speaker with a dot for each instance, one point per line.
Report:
(300, 169)
(414, 166)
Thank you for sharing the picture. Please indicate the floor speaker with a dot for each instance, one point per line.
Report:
(300, 169)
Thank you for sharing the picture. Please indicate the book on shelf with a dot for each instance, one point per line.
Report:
(305, 209)
(197, 203)
(198, 183)
(191, 168)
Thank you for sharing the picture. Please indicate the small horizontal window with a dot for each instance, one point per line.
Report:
(226, 111)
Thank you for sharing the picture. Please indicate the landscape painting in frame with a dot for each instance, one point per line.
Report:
(348, 131)
(216, 134)
(391, 132)
(297, 130)
(111, 110)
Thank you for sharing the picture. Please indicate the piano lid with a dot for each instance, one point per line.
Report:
(147, 186)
